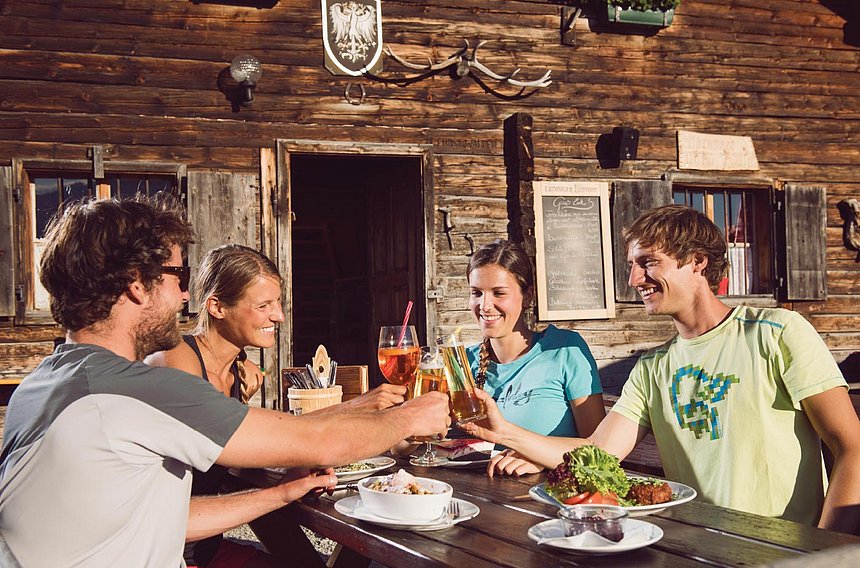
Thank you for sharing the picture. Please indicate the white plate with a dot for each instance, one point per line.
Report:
(553, 529)
(379, 463)
(683, 492)
(352, 507)
(467, 463)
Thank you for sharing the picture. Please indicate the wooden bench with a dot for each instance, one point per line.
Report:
(644, 458)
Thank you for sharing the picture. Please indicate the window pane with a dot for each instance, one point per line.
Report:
(131, 186)
(114, 187)
(697, 200)
(162, 183)
(75, 189)
(736, 231)
(679, 197)
(47, 202)
(720, 210)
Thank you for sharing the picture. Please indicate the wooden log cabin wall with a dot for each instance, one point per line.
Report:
(95, 90)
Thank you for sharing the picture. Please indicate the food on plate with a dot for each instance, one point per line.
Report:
(465, 449)
(648, 491)
(357, 466)
(403, 497)
(401, 482)
(588, 476)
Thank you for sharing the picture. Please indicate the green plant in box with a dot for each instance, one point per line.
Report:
(638, 5)
(641, 12)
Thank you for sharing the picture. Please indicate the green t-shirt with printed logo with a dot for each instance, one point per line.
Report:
(725, 410)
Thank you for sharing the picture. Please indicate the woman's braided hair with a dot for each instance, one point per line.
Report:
(227, 272)
(511, 257)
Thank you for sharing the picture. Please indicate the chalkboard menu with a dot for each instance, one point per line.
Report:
(574, 256)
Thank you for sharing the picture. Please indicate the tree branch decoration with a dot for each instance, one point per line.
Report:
(464, 62)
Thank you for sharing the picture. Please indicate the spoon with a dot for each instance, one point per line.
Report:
(545, 495)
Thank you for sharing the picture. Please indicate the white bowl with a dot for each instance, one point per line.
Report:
(404, 507)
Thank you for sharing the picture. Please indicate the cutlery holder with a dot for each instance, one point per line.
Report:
(314, 399)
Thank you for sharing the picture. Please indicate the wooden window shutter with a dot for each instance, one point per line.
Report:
(631, 198)
(221, 208)
(7, 242)
(802, 218)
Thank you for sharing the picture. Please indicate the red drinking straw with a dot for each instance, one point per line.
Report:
(403, 327)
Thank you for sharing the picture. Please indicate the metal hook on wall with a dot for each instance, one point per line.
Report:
(447, 224)
(471, 240)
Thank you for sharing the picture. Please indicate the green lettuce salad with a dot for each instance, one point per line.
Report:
(587, 469)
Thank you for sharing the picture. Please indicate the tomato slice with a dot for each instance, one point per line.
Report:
(576, 499)
(610, 499)
(601, 499)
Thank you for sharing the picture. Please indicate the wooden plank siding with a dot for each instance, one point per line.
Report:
(140, 80)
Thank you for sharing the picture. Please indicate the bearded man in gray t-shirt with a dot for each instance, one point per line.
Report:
(98, 447)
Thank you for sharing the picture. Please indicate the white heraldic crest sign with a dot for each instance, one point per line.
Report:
(352, 36)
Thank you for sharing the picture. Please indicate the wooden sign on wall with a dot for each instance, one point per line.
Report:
(574, 251)
(697, 151)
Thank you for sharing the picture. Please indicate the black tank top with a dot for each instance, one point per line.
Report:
(235, 390)
(200, 552)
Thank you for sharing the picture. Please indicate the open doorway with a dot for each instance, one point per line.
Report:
(357, 253)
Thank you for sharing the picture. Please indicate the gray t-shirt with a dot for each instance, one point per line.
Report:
(97, 457)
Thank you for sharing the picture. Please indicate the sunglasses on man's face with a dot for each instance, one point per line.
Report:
(181, 272)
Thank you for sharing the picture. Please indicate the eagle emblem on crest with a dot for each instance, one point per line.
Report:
(352, 36)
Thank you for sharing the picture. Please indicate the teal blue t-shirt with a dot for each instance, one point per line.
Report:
(534, 392)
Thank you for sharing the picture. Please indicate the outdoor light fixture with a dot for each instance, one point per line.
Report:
(245, 70)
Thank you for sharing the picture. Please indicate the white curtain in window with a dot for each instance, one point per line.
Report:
(741, 267)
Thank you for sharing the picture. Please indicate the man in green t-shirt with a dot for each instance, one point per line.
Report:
(738, 402)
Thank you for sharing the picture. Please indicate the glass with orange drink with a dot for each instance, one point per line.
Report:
(398, 354)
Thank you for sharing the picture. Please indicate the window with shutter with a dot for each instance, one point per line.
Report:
(785, 258)
(43, 189)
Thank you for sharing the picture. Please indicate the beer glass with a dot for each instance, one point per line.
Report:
(431, 377)
(398, 354)
(465, 406)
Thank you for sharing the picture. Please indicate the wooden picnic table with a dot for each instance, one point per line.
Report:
(695, 533)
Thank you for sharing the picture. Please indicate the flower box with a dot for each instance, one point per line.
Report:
(619, 15)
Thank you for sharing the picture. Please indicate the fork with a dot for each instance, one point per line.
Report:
(454, 510)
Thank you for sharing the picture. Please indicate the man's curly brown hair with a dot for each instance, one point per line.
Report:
(682, 233)
(95, 249)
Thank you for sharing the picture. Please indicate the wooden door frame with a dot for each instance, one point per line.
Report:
(282, 217)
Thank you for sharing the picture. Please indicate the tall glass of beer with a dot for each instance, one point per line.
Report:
(431, 377)
(465, 406)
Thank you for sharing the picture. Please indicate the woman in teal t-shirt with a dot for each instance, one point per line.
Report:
(546, 381)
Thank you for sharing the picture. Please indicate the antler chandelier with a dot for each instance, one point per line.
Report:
(464, 62)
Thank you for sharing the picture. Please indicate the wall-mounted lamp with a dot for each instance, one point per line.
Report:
(245, 70)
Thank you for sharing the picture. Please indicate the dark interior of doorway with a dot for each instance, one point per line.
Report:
(357, 240)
